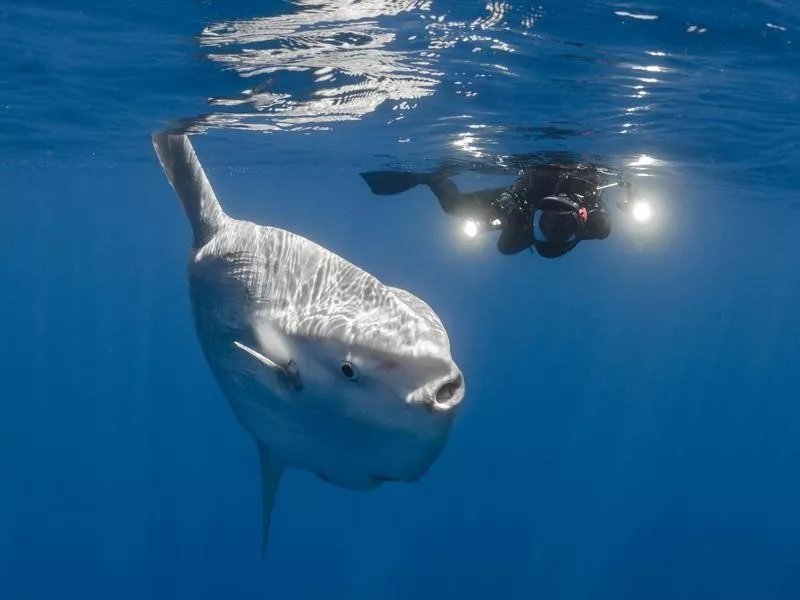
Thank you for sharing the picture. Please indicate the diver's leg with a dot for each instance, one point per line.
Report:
(457, 203)
(453, 202)
(446, 192)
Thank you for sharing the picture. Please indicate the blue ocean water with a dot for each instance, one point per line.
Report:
(631, 426)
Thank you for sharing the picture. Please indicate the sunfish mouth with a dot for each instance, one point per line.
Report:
(445, 394)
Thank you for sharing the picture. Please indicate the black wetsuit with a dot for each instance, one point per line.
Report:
(514, 205)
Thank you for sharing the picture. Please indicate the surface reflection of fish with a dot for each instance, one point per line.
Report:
(327, 368)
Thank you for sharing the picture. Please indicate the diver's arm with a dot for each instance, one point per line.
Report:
(550, 250)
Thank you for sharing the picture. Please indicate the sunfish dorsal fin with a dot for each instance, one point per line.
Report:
(271, 471)
(288, 373)
(185, 173)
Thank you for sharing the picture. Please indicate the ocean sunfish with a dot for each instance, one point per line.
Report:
(327, 368)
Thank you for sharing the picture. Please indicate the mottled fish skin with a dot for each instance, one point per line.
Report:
(326, 367)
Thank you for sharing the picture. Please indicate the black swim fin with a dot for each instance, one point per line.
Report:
(389, 183)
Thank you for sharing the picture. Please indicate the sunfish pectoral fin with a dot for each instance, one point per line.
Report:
(271, 471)
(289, 373)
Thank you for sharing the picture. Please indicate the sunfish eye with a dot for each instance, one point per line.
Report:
(349, 370)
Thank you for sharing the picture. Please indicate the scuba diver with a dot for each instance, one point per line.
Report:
(550, 207)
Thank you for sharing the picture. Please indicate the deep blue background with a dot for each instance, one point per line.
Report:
(631, 428)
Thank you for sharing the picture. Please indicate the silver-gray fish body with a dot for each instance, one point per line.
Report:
(327, 368)
(251, 277)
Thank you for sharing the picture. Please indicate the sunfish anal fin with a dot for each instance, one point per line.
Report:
(289, 373)
(271, 471)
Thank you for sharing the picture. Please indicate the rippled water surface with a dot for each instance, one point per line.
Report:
(631, 427)
(419, 79)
